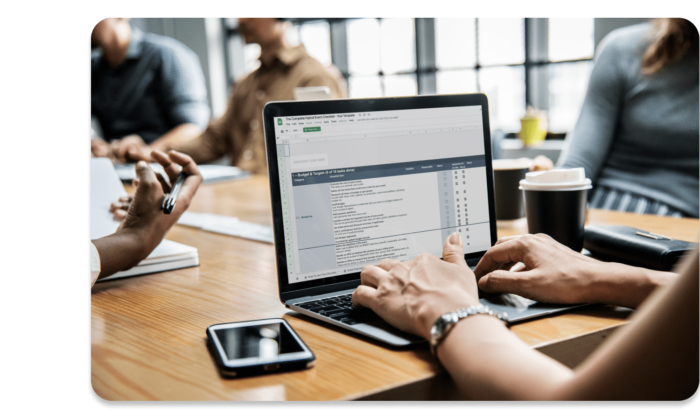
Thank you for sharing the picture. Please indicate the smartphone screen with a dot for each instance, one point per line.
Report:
(264, 341)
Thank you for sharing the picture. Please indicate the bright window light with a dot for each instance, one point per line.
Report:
(501, 41)
(363, 46)
(398, 45)
(570, 39)
(316, 37)
(455, 43)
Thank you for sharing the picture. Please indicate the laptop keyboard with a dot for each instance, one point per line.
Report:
(340, 308)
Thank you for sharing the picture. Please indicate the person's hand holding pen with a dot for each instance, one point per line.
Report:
(170, 164)
(144, 222)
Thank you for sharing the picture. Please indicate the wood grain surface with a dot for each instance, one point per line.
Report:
(148, 332)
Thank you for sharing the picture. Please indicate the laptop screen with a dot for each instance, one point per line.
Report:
(360, 187)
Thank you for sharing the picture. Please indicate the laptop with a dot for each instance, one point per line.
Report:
(357, 181)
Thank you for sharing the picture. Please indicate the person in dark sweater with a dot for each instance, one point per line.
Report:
(146, 89)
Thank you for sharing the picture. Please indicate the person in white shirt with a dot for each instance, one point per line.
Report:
(144, 224)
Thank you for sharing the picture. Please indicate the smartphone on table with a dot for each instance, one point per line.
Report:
(255, 347)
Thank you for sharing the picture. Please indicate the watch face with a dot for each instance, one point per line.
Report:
(438, 327)
(435, 331)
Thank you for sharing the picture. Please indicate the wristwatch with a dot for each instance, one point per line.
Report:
(447, 321)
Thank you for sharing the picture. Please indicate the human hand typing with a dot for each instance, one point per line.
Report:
(412, 295)
(553, 273)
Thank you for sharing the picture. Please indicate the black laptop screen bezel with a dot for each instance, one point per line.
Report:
(273, 110)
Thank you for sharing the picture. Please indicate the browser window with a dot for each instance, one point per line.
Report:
(361, 187)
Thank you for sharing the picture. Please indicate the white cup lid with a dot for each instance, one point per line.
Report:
(556, 179)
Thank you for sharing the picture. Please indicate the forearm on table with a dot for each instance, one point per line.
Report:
(653, 357)
(623, 285)
(209, 145)
(488, 362)
(121, 251)
(177, 136)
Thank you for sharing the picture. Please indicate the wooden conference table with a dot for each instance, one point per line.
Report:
(148, 333)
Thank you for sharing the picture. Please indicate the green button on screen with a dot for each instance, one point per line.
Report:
(307, 129)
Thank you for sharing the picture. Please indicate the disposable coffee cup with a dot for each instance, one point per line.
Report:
(555, 204)
(507, 174)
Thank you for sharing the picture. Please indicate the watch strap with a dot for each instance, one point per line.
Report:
(447, 321)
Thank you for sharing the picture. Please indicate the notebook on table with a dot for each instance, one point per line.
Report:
(167, 256)
(106, 188)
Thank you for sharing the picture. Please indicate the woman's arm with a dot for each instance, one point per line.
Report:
(488, 362)
(656, 357)
(593, 135)
(653, 358)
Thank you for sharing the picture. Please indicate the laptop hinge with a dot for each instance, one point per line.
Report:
(471, 262)
(319, 290)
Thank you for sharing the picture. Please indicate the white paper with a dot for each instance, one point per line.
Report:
(168, 251)
(228, 226)
(210, 173)
(245, 230)
(105, 188)
(214, 172)
(199, 220)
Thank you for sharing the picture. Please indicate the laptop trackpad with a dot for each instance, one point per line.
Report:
(385, 332)
(518, 307)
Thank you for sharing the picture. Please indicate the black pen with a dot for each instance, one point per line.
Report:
(171, 199)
